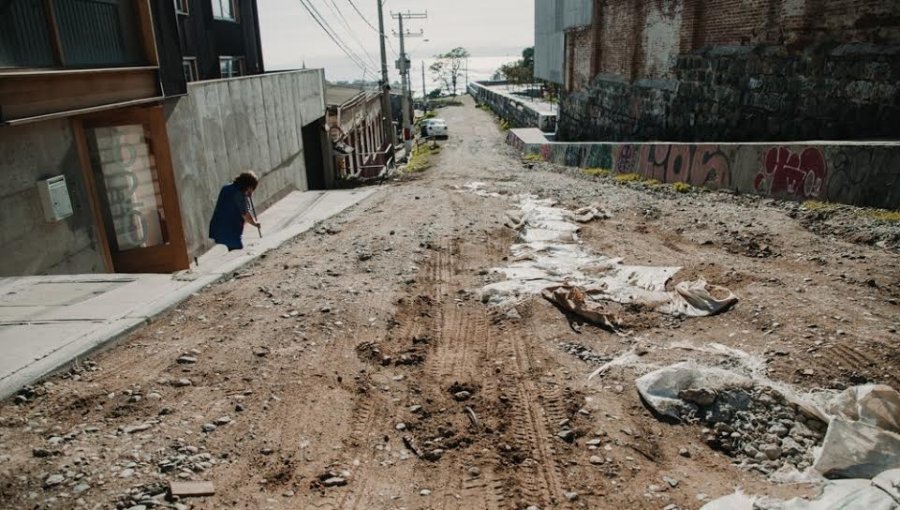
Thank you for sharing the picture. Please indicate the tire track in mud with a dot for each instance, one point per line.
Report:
(531, 431)
(841, 358)
(368, 418)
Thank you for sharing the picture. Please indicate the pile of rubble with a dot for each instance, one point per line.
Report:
(758, 427)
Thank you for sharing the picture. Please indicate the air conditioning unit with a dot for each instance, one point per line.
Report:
(55, 198)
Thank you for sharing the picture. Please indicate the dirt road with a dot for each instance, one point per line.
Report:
(357, 367)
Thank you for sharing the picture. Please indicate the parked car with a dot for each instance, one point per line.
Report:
(434, 127)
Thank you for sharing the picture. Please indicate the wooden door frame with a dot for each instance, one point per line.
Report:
(148, 261)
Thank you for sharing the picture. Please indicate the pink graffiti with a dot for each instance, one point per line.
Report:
(546, 152)
(787, 172)
(626, 159)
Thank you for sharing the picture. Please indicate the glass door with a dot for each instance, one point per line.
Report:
(134, 189)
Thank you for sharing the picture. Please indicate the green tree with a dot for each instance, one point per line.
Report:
(520, 72)
(448, 67)
(528, 57)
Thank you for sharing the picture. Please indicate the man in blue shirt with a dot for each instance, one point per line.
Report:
(232, 210)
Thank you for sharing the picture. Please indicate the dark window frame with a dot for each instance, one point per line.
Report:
(183, 7)
(222, 17)
(241, 66)
(192, 63)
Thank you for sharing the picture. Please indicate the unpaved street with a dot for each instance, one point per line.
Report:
(357, 366)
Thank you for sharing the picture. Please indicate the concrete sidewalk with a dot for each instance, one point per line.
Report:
(46, 322)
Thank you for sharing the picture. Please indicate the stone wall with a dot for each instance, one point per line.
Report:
(746, 94)
(735, 70)
(863, 174)
(224, 127)
(32, 245)
(511, 109)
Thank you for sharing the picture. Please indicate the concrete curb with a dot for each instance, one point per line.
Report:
(110, 334)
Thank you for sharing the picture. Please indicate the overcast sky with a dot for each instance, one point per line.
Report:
(487, 28)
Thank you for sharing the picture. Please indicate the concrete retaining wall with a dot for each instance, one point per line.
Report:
(31, 245)
(513, 110)
(864, 174)
(224, 127)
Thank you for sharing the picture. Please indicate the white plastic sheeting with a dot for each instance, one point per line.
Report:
(860, 441)
(549, 255)
(880, 493)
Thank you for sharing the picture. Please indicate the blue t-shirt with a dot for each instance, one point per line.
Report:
(227, 223)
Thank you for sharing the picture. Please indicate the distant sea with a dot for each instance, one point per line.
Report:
(480, 68)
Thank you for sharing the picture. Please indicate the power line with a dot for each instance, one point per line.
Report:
(340, 14)
(361, 15)
(317, 17)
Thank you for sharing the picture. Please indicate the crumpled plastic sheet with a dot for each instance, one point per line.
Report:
(548, 256)
(880, 493)
(574, 300)
(860, 441)
(590, 213)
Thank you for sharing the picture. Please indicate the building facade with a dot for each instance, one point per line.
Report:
(360, 147)
(722, 70)
(98, 159)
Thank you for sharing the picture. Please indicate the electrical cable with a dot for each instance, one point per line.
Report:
(340, 14)
(317, 17)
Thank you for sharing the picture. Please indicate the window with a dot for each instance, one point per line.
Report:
(181, 7)
(189, 66)
(84, 33)
(229, 67)
(224, 10)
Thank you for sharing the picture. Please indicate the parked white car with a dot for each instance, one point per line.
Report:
(434, 127)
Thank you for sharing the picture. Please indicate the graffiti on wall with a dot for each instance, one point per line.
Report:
(857, 174)
(697, 165)
(863, 177)
(786, 172)
(626, 159)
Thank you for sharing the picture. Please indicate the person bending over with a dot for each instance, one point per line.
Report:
(232, 210)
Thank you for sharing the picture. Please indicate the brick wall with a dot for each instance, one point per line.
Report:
(736, 70)
(580, 64)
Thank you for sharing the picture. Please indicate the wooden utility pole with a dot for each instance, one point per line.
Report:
(386, 110)
(403, 64)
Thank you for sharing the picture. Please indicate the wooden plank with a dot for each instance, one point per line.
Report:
(160, 145)
(39, 94)
(82, 111)
(191, 489)
(55, 39)
(148, 39)
(93, 194)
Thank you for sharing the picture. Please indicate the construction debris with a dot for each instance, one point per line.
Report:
(191, 489)
(549, 261)
(772, 428)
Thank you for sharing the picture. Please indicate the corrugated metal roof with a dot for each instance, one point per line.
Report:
(336, 95)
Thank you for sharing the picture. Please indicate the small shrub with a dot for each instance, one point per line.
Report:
(419, 159)
(597, 172)
(652, 182)
(504, 125)
(816, 205)
(533, 158)
(883, 215)
(630, 177)
(682, 187)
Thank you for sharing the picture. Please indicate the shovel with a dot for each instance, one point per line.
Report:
(255, 217)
